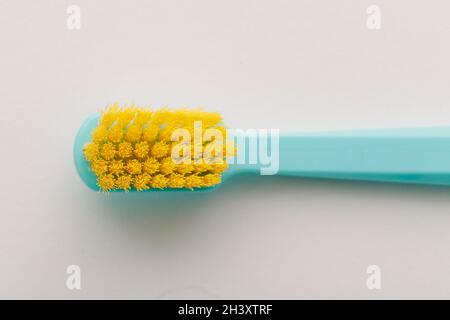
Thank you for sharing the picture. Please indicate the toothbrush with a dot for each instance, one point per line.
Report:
(129, 149)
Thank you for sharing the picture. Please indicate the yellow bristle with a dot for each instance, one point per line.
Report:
(134, 166)
(194, 181)
(109, 115)
(162, 116)
(133, 133)
(166, 133)
(143, 116)
(141, 181)
(108, 151)
(125, 116)
(125, 150)
(159, 181)
(141, 150)
(124, 182)
(115, 134)
(160, 149)
(150, 133)
(185, 168)
(175, 181)
(151, 166)
(132, 148)
(211, 179)
(106, 182)
(116, 167)
(219, 167)
(99, 167)
(91, 151)
(210, 119)
(167, 166)
(202, 167)
(99, 134)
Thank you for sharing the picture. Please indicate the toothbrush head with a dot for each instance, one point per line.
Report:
(138, 149)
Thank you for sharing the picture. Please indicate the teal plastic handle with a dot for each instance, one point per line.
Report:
(419, 155)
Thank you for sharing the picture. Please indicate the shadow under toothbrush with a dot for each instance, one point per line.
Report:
(169, 222)
(236, 187)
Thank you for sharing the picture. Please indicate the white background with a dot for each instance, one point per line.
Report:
(294, 65)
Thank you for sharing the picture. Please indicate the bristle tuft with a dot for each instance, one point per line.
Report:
(131, 148)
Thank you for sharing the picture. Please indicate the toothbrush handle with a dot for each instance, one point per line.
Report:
(419, 155)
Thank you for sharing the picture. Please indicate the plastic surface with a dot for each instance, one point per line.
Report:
(417, 155)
